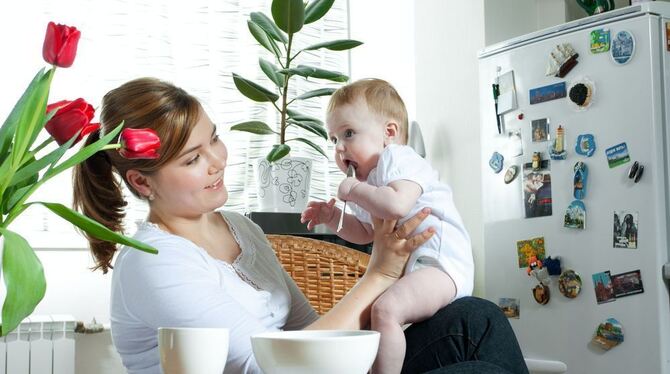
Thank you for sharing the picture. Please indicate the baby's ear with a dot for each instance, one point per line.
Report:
(391, 133)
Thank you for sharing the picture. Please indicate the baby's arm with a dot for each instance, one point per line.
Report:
(328, 214)
(393, 201)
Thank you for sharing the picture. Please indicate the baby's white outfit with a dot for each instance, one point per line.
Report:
(449, 249)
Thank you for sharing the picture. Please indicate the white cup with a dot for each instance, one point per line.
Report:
(187, 350)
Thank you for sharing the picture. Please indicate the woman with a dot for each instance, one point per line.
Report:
(215, 268)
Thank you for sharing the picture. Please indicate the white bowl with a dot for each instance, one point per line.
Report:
(315, 351)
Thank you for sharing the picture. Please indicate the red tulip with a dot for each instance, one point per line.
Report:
(139, 143)
(71, 117)
(60, 44)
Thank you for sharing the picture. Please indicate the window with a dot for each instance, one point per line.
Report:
(195, 44)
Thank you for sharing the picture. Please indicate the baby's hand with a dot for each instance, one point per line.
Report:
(346, 186)
(318, 212)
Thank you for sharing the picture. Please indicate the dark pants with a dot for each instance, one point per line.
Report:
(470, 335)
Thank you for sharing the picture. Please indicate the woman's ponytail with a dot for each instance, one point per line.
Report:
(98, 195)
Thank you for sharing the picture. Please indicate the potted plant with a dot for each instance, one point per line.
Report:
(24, 167)
(283, 182)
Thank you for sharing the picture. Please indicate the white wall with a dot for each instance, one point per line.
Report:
(448, 36)
(510, 18)
(386, 27)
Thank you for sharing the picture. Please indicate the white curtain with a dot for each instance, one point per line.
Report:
(195, 44)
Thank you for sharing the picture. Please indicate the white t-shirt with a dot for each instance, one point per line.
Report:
(450, 248)
(184, 286)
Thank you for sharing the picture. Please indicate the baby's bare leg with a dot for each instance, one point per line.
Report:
(413, 298)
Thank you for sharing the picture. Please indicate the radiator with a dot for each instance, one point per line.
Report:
(40, 345)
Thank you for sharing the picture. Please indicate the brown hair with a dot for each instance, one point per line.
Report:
(140, 103)
(380, 97)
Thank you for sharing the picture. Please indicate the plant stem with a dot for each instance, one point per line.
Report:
(37, 149)
(284, 104)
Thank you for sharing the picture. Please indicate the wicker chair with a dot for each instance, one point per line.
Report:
(324, 271)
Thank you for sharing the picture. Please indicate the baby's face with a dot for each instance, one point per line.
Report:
(358, 135)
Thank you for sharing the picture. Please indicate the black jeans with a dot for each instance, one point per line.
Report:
(470, 335)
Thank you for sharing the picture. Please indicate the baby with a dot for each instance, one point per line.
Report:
(367, 121)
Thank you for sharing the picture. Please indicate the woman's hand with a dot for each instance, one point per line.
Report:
(392, 247)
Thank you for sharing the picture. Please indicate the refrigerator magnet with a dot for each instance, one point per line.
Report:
(529, 248)
(575, 216)
(602, 284)
(625, 229)
(496, 162)
(626, 284)
(600, 40)
(617, 155)
(635, 172)
(537, 188)
(553, 265)
(541, 294)
(581, 93)
(511, 174)
(540, 130)
(623, 47)
(580, 179)
(536, 269)
(509, 306)
(608, 334)
(547, 93)
(561, 60)
(557, 147)
(569, 284)
(585, 145)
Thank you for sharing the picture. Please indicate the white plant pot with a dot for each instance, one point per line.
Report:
(283, 186)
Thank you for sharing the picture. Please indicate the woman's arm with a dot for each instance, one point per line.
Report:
(391, 249)
(386, 202)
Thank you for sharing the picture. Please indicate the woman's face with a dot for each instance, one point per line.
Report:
(192, 184)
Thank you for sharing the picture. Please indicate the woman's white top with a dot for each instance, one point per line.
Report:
(449, 249)
(183, 286)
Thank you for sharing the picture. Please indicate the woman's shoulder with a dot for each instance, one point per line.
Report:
(170, 247)
(242, 224)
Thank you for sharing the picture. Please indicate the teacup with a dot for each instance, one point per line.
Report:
(189, 350)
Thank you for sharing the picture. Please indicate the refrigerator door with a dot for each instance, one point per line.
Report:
(628, 105)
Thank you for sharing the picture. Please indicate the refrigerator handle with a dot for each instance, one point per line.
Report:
(666, 271)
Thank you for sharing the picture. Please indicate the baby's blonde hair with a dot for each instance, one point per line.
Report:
(381, 98)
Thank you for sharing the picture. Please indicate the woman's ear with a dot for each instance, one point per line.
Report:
(139, 182)
(391, 133)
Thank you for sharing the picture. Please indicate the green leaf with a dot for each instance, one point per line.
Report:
(335, 45)
(309, 71)
(94, 228)
(256, 127)
(9, 126)
(15, 193)
(253, 90)
(30, 117)
(312, 127)
(34, 167)
(289, 15)
(270, 27)
(272, 72)
(316, 93)
(317, 9)
(278, 152)
(293, 114)
(263, 39)
(311, 144)
(24, 280)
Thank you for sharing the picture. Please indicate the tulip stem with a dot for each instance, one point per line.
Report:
(41, 146)
(111, 146)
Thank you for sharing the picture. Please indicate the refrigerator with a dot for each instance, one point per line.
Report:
(593, 195)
